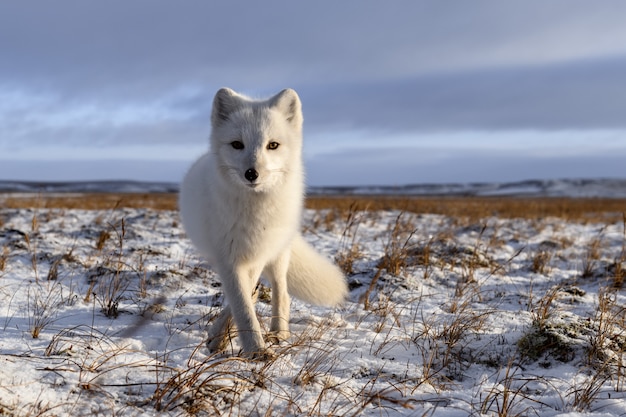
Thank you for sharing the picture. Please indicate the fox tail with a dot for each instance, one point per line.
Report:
(313, 278)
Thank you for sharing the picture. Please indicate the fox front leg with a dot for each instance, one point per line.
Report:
(222, 331)
(276, 272)
(238, 287)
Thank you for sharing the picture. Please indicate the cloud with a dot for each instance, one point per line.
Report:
(121, 75)
(558, 97)
(464, 157)
(572, 95)
(92, 170)
(423, 165)
(145, 46)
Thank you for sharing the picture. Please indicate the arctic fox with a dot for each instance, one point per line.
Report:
(241, 206)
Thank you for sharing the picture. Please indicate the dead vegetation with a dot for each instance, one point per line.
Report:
(475, 208)
(576, 209)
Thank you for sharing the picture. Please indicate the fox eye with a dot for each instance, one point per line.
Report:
(236, 144)
(273, 145)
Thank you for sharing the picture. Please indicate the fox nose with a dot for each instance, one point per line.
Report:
(251, 174)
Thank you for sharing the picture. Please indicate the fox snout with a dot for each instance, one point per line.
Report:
(251, 174)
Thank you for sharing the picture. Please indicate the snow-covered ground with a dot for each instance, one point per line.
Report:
(104, 313)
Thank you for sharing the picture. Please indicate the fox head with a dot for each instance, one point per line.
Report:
(257, 143)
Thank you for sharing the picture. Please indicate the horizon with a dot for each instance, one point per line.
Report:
(418, 184)
(570, 188)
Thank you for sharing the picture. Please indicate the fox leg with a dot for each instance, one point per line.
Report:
(222, 330)
(238, 284)
(276, 272)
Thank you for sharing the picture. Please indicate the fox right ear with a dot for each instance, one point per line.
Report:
(226, 101)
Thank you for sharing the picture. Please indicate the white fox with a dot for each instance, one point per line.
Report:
(241, 206)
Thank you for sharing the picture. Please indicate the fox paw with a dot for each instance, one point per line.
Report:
(275, 337)
(217, 344)
(262, 355)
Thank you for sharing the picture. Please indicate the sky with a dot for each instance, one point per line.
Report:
(393, 93)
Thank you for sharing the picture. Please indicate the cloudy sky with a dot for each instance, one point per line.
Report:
(393, 92)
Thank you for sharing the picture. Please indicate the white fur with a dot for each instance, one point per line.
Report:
(248, 226)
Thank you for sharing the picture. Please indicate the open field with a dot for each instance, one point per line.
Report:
(458, 307)
(580, 209)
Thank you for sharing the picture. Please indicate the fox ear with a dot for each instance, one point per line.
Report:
(226, 102)
(288, 103)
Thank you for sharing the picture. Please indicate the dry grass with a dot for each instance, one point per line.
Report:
(579, 209)
(90, 201)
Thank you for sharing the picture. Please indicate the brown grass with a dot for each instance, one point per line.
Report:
(579, 209)
(90, 201)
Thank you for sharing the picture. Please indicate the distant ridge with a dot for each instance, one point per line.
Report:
(589, 188)
(88, 187)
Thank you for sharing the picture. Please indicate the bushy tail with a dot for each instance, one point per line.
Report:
(313, 278)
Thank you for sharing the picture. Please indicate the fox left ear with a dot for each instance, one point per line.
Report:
(288, 103)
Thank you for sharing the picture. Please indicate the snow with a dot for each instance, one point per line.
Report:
(442, 320)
